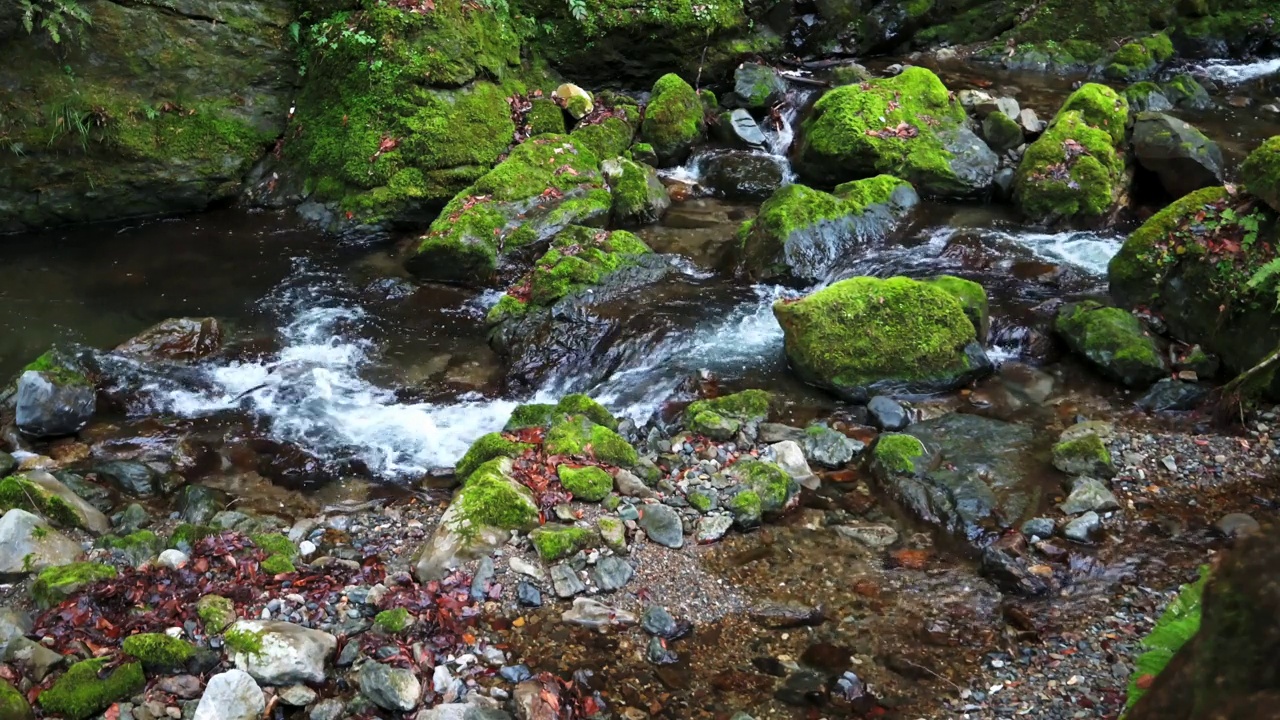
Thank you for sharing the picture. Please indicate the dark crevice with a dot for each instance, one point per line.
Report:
(142, 4)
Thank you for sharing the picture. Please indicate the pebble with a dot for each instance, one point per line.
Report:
(611, 573)
(1080, 529)
(657, 621)
(565, 581)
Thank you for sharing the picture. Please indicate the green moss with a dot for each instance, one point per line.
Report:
(18, 492)
(216, 612)
(532, 415)
(1185, 92)
(841, 138)
(580, 404)
(608, 138)
(1082, 451)
(971, 295)
(13, 704)
(275, 544)
(897, 452)
(1100, 107)
(242, 641)
(136, 548)
(1179, 622)
(579, 258)
(771, 484)
(643, 153)
(673, 119)
(576, 435)
(638, 195)
(185, 536)
(80, 693)
(700, 501)
(486, 448)
(393, 621)
(863, 330)
(1139, 268)
(55, 584)
(506, 308)
(589, 483)
(748, 406)
(866, 192)
(157, 650)
(489, 499)
(557, 543)
(1113, 340)
(1073, 170)
(711, 424)
(278, 565)
(59, 367)
(545, 116)
(1261, 172)
(1139, 59)
(746, 508)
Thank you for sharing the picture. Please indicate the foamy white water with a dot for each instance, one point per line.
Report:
(1088, 251)
(1233, 73)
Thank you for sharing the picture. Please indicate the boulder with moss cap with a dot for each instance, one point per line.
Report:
(490, 504)
(1261, 172)
(1139, 60)
(638, 196)
(1113, 341)
(866, 336)
(54, 396)
(87, 689)
(506, 209)
(777, 491)
(801, 234)
(1182, 157)
(907, 126)
(723, 417)
(280, 653)
(673, 119)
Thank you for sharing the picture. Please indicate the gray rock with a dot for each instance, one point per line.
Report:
(662, 525)
(1237, 525)
(741, 174)
(172, 559)
(524, 567)
(528, 595)
(658, 653)
(14, 624)
(132, 478)
(1082, 528)
(183, 687)
(90, 518)
(657, 621)
(461, 711)
(1169, 395)
(197, 504)
(1185, 92)
(1003, 183)
(1182, 157)
(613, 533)
(7, 464)
(390, 688)
(1041, 527)
(630, 210)
(595, 614)
(970, 100)
(828, 448)
(1005, 567)
(611, 573)
(132, 519)
(36, 659)
(876, 536)
(1147, 99)
(565, 581)
(1030, 123)
(713, 527)
(56, 401)
(770, 433)
(630, 485)
(290, 653)
(176, 339)
(739, 129)
(887, 413)
(789, 457)
(296, 695)
(456, 541)
(232, 695)
(757, 86)
(1004, 105)
(973, 162)
(28, 544)
(328, 709)
(480, 582)
(1088, 494)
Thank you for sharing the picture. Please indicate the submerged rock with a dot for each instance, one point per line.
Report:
(55, 396)
(800, 235)
(1113, 341)
(1183, 158)
(906, 126)
(180, 339)
(867, 335)
(595, 614)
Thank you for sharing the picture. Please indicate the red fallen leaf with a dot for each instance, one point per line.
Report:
(910, 558)
(1145, 681)
(112, 713)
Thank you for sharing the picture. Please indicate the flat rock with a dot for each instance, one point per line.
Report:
(290, 653)
(232, 695)
(611, 573)
(1089, 494)
(595, 614)
(390, 688)
(566, 581)
(1081, 529)
(713, 527)
(662, 525)
(876, 536)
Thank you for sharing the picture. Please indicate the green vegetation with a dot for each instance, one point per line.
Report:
(18, 492)
(185, 536)
(1139, 59)
(576, 435)
(1072, 170)
(59, 368)
(557, 543)
(243, 641)
(528, 416)
(746, 508)
(1083, 455)
(490, 499)
(590, 483)
(55, 17)
(1261, 172)
(770, 483)
(13, 704)
(157, 650)
(606, 139)
(748, 406)
(486, 448)
(55, 584)
(1179, 622)
(971, 295)
(393, 621)
(897, 452)
(278, 565)
(1113, 340)
(673, 120)
(81, 693)
(216, 612)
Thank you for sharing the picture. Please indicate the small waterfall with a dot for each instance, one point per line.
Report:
(1234, 73)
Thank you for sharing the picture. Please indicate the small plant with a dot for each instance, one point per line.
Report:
(55, 17)
(578, 9)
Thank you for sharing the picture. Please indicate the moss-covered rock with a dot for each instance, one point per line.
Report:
(135, 548)
(577, 435)
(1072, 171)
(673, 119)
(575, 101)
(13, 704)
(1146, 97)
(544, 117)
(757, 86)
(485, 448)
(580, 404)
(608, 138)
(546, 184)
(1261, 172)
(555, 542)
(530, 416)
(393, 621)
(1140, 59)
(1186, 93)
(1182, 157)
(18, 492)
(216, 612)
(278, 565)
(801, 233)
(639, 198)
(907, 126)
(1100, 107)
(866, 335)
(774, 488)
(972, 296)
(158, 652)
(1113, 341)
(1086, 455)
(589, 483)
(896, 453)
(748, 406)
(1001, 132)
(746, 508)
(713, 425)
(81, 693)
(55, 584)
(55, 395)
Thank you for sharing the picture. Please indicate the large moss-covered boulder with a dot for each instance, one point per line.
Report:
(567, 310)
(907, 126)
(403, 109)
(970, 476)
(673, 119)
(1261, 172)
(91, 686)
(638, 196)
(1139, 60)
(1076, 169)
(54, 395)
(1194, 264)
(801, 234)
(865, 336)
(1113, 341)
(547, 183)
(1179, 154)
(480, 518)
(144, 110)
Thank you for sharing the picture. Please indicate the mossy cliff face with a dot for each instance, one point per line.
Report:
(865, 334)
(1176, 265)
(401, 110)
(907, 126)
(1076, 170)
(160, 109)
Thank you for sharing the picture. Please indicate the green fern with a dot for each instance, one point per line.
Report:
(1265, 277)
(1177, 624)
(55, 17)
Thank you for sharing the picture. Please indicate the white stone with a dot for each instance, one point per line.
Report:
(306, 549)
(172, 559)
(790, 457)
(28, 544)
(290, 653)
(232, 695)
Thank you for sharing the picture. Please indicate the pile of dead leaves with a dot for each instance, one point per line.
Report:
(902, 131)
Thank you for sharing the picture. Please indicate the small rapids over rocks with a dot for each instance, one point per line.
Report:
(1235, 73)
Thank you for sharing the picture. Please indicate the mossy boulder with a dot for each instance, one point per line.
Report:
(54, 395)
(639, 198)
(746, 508)
(801, 234)
(865, 336)
(972, 297)
(589, 483)
(158, 652)
(545, 116)
(907, 126)
(1186, 93)
(479, 519)
(1100, 107)
(546, 184)
(557, 542)
(1001, 132)
(773, 487)
(748, 406)
(13, 704)
(1073, 171)
(713, 425)
(86, 689)
(673, 119)
(135, 548)
(55, 584)
(757, 86)
(896, 453)
(578, 436)
(1085, 455)
(543, 414)
(485, 448)
(1261, 172)
(1146, 97)
(1140, 59)
(608, 138)
(1182, 157)
(39, 492)
(531, 415)
(1113, 341)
